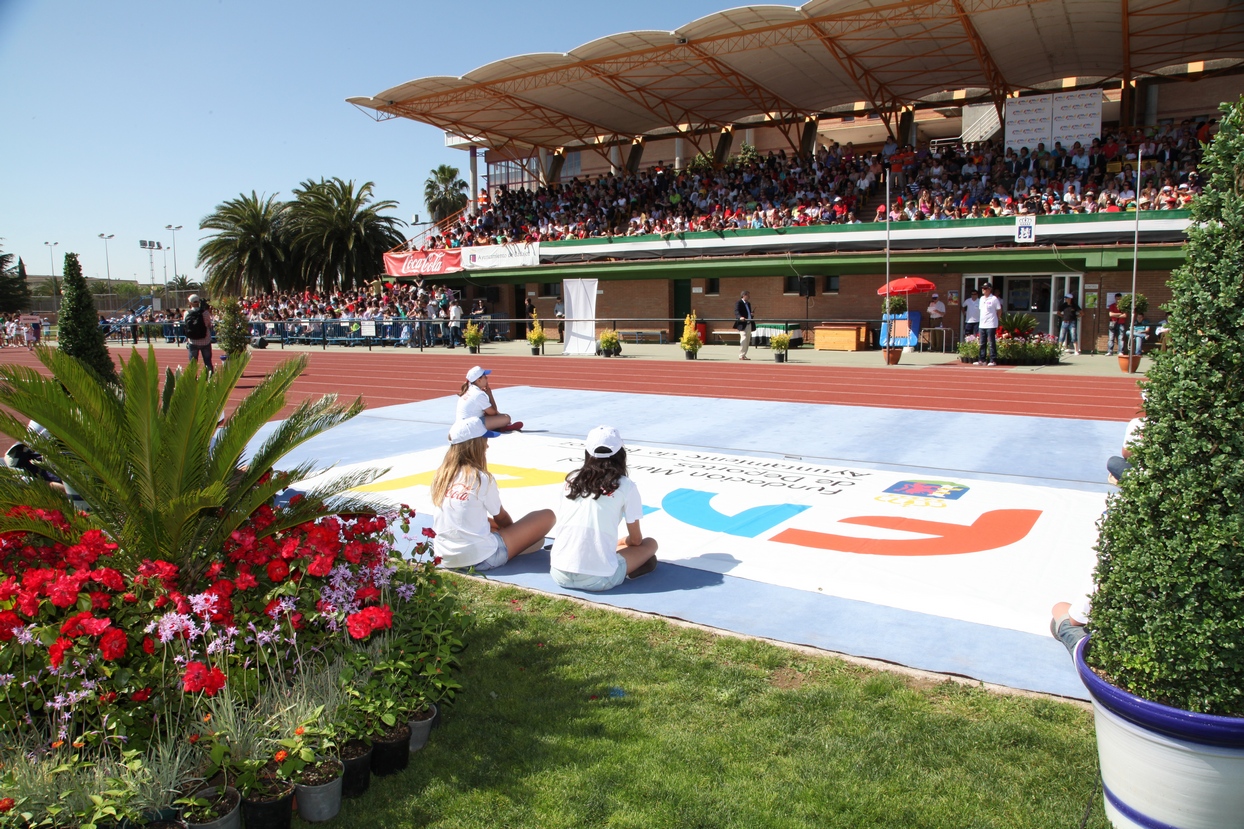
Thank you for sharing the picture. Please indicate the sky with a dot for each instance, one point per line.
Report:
(123, 117)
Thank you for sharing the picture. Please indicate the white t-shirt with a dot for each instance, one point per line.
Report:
(463, 534)
(991, 309)
(587, 530)
(971, 310)
(472, 403)
(937, 309)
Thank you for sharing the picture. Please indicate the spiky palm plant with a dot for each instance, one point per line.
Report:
(143, 455)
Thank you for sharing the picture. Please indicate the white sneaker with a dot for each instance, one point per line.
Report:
(992, 363)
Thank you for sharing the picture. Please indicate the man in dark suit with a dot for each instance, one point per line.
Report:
(744, 322)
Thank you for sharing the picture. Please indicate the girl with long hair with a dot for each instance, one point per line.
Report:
(472, 528)
(587, 554)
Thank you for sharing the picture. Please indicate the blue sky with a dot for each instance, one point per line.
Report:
(122, 117)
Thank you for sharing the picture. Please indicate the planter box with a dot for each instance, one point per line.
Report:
(841, 336)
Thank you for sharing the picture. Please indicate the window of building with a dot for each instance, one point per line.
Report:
(550, 289)
(712, 287)
(831, 285)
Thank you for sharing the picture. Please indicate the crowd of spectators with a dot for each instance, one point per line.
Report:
(839, 184)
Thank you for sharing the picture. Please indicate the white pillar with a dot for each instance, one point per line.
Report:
(615, 159)
(473, 203)
(543, 155)
(678, 150)
(749, 136)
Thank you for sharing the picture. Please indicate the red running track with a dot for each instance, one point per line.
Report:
(386, 378)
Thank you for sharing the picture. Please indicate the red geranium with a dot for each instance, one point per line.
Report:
(100, 600)
(141, 695)
(199, 677)
(278, 571)
(108, 578)
(9, 623)
(148, 645)
(112, 645)
(368, 620)
(244, 581)
(56, 652)
(321, 565)
(7, 803)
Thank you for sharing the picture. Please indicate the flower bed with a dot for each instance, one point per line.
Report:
(105, 665)
(1015, 349)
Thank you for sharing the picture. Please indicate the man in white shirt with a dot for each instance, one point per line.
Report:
(971, 314)
(455, 323)
(990, 318)
(937, 311)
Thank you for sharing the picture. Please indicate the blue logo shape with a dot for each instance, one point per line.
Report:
(691, 506)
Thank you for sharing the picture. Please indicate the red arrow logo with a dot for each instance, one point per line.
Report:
(992, 530)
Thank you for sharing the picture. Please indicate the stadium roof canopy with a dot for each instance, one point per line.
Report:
(785, 65)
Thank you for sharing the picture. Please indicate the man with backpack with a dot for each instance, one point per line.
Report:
(197, 326)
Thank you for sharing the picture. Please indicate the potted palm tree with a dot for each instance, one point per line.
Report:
(1164, 659)
(690, 342)
(535, 336)
(1129, 356)
(780, 343)
(893, 307)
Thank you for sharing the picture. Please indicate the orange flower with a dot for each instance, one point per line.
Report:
(207, 717)
(299, 731)
(78, 744)
(58, 744)
(281, 756)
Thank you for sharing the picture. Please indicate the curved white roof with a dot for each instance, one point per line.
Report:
(758, 63)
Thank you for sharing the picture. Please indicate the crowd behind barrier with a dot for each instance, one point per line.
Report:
(836, 186)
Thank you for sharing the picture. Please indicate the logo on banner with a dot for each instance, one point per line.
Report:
(423, 262)
(932, 494)
(1025, 229)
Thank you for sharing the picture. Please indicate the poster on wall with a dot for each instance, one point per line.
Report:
(1063, 117)
(422, 262)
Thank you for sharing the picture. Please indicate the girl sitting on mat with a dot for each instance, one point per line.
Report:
(472, 528)
(587, 554)
(476, 400)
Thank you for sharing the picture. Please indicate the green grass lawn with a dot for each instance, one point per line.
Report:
(577, 717)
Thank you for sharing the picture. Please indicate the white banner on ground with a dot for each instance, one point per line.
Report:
(487, 257)
(981, 551)
(580, 296)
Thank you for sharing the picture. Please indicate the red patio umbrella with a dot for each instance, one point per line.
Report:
(907, 285)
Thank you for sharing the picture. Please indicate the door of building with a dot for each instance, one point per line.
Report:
(682, 305)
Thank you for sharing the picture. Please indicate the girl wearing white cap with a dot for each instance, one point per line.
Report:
(587, 554)
(472, 528)
(476, 400)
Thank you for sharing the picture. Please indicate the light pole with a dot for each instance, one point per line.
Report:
(151, 247)
(173, 228)
(55, 287)
(107, 263)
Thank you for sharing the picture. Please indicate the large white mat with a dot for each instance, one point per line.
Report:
(975, 550)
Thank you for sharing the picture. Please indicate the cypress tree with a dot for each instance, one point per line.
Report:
(14, 295)
(1168, 615)
(80, 334)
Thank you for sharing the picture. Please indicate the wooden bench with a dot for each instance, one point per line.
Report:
(643, 336)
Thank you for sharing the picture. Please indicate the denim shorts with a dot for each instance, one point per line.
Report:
(595, 584)
(498, 558)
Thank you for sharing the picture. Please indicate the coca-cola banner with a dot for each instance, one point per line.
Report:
(423, 262)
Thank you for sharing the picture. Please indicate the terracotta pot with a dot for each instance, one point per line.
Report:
(892, 355)
(1129, 363)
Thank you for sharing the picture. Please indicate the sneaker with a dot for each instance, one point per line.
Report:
(992, 363)
(516, 426)
(644, 569)
(980, 362)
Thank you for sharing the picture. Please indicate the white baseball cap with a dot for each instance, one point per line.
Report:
(603, 442)
(469, 429)
(476, 373)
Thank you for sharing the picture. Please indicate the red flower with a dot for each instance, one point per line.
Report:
(9, 623)
(129, 598)
(321, 565)
(244, 581)
(7, 803)
(214, 682)
(112, 645)
(56, 653)
(278, 571)
(148, 645)
(281, 756)
(108, 697)
(141, 695)
(64, 591)
(369, 619)
(197, 677)
(108, 578)
(194, 738)
(100, 600)
(366, 594)
(428, 532)
(8, 589)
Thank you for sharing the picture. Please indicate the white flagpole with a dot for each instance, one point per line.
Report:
(1131, 323)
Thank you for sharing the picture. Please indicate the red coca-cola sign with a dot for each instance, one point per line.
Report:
(422, 262)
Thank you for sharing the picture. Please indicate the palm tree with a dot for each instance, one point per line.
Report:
(444, 193)
(339, 235)
(143, 457)
(249, 253)
(181, 283)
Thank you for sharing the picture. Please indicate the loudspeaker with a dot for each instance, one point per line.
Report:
(259, 342)
(807, 286)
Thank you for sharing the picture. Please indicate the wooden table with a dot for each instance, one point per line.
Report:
(841, 336)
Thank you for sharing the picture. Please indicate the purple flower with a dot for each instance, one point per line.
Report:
(25, 635)
(204, 603)
(406, 592)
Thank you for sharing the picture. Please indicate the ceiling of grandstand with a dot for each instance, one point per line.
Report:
(783, 64)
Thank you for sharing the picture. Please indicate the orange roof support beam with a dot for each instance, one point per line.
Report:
(998, 87)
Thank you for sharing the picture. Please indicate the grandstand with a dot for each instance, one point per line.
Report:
(747, 149)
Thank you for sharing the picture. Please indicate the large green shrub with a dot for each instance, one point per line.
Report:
(1168, 616)
(80, 335)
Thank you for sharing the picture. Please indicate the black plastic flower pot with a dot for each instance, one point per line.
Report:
(391, 756)
(357, 777)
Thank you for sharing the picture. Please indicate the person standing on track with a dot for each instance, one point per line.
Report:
(197, 326)
(991, 317)
(744, 322)
(476, 400)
